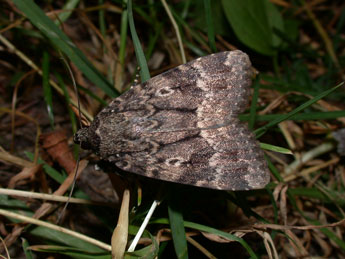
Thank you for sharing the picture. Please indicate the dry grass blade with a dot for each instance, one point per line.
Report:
(177, 31)
(311, 154)
(296, 244)
(280, 227)
(54, 227)
(269, 245)
(5, 248)
(120, 234)
(202, 249)
(9, 158)
(50, 197)
(27, 172)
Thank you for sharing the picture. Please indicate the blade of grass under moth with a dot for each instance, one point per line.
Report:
(178, 232)
(63, 43)
(47, 91)
(259, 132)
(211, 230)
(144, 70)
(210, 26)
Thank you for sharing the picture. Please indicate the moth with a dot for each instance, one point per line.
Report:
(182, 126)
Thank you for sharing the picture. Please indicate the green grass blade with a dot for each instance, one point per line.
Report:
(210, 26)
(27, 252)
(212, 231)
(71, 252)
(47, 91)
(69, 5)
(56, 175)
(62, 42)
(123, 35)
(178, 232)
(334, 197)
(276, 148)
(92, 95)
(259, 132)
(222, 234)
(274, 204)
(273, 169)
(153, 39)
(101, 20)
(68, 102)
(331, 235)
(144, 70)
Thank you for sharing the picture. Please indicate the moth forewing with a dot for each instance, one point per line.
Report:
(182, 126)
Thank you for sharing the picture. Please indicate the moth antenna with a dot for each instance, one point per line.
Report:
(78, 150)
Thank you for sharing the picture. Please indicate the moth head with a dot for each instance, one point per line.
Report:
(82, 137)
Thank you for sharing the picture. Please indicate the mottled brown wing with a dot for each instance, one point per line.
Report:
(182, 126)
